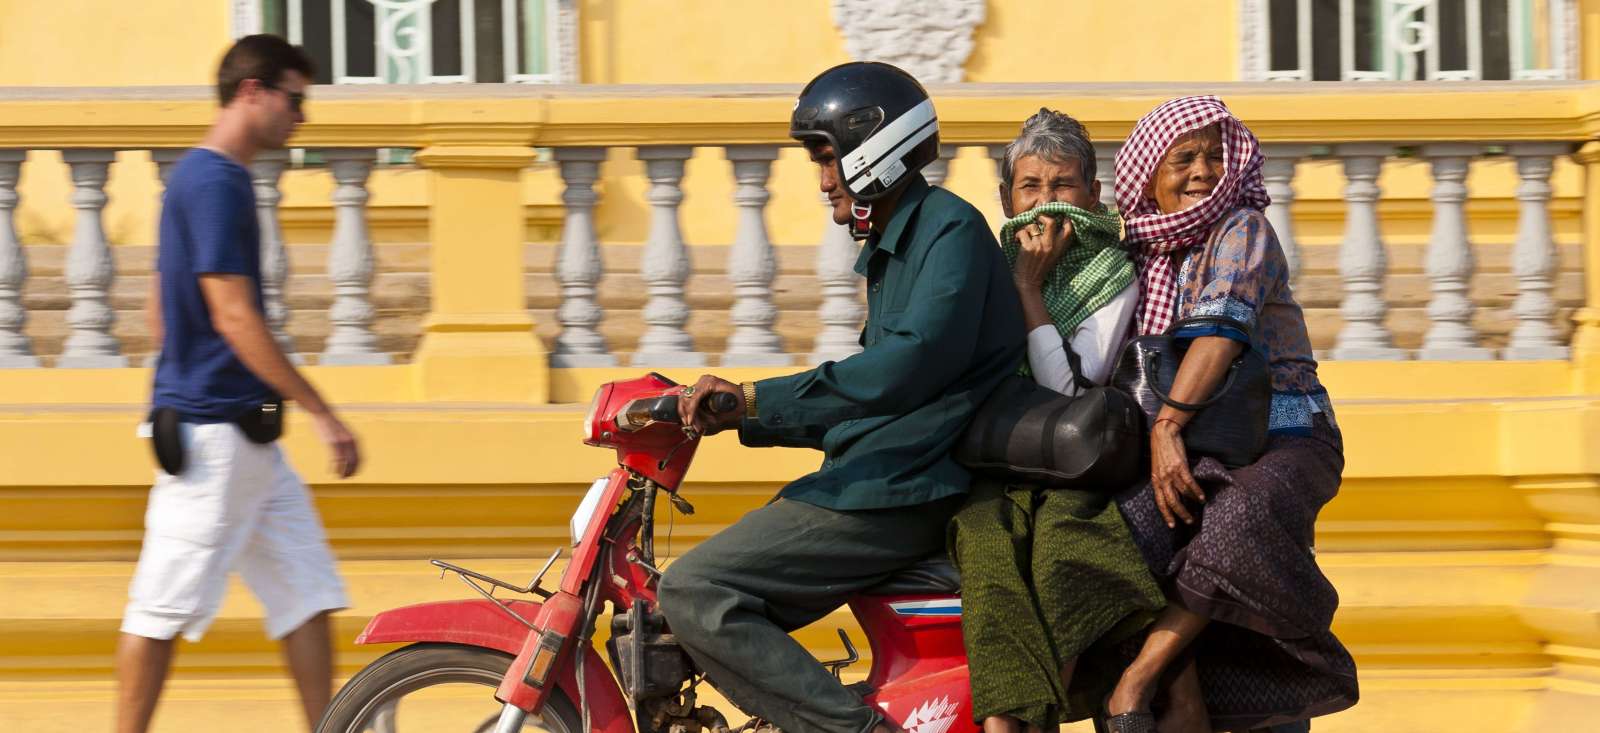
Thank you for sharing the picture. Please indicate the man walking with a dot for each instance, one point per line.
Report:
(226, 498)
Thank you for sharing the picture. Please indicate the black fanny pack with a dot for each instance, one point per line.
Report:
(262, 424)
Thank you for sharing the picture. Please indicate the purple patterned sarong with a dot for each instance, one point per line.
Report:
(1247, 564)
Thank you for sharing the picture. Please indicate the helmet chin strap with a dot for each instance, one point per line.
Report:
(860, 220)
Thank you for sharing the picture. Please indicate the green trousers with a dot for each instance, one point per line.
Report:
(733, 599)
(1047, 576)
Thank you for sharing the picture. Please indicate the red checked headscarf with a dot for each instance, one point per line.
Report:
(1159, 238)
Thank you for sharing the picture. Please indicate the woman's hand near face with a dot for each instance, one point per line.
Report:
(1042, 244)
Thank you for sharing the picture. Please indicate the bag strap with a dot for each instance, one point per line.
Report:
(1155, 386)
(1083, 382)
(1233, 367)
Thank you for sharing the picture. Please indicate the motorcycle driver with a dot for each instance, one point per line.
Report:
(944, 326)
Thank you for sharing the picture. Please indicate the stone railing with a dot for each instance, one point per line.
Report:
(475, 141)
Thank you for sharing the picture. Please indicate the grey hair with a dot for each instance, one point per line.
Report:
(1054, 136)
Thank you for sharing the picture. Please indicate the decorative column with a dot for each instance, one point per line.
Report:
(666, 264)
(1450, 263)
(90, 268)
(751, 264)
(1362, 262)
(1533, 257)
(16, 351)
(265, 172)
(579, 265)
(350, 262)
(1278, 171)
(478, 343)
(841, 310)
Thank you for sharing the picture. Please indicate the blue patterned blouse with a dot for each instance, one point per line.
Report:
(1241, 273)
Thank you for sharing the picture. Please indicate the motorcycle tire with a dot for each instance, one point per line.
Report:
(404, 671)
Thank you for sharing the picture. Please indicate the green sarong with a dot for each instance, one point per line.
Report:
(1047, 576)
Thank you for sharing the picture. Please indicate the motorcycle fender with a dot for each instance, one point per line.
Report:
(479, 623)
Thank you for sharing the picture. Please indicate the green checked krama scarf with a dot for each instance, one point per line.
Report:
(1089, 274)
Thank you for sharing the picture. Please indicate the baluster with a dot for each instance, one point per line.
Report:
(90, 267)
(936, 172)
(579, 265)
(16, 351)
(164, 158)
(666, 264)
(1105, 171)
(840, 311)
(265, 172)
(751, 265)
(997, 153)
(1362, 261)
(350, 262)
(1278, 171)
(1533, 258)
(1450, 263)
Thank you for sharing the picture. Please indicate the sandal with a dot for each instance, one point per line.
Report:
(1131, 722)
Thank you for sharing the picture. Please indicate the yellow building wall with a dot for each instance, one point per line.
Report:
(110, 42)
(105, 43)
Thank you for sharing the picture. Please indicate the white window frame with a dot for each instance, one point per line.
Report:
(511, 38)
(560, 28)
(1409, 25)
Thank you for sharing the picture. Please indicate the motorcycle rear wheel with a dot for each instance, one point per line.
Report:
(371, 700)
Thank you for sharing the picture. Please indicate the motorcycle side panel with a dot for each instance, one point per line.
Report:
(919, 665)
(940, 702)
(479, 623)
(910, 636)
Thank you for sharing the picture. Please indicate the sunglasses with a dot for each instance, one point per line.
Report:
(297, 100)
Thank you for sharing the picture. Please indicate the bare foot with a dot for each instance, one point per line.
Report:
(1186, 711)
(1133, 692)
(1002, 724)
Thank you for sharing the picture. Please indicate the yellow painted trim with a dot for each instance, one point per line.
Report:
(518, 115)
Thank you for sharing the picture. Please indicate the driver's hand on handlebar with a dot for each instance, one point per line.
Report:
(694, 410)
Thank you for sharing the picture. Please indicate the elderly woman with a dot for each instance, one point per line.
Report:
(1232, 548)
(1048, 575)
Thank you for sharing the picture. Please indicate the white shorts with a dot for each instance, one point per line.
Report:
(237, 506)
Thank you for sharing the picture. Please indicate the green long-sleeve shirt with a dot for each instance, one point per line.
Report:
(944, 326)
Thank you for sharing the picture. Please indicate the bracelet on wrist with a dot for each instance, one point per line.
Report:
(1175, 423)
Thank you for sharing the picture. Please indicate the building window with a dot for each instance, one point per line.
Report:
(1408, 40)
(430, 41)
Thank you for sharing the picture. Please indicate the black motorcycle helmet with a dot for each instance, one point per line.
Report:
(879, 121)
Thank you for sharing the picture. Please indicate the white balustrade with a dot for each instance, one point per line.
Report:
(1450, 262)
(1362, 261)
(751, 264)
(265, 172)
(579, 265)
(1278, 172)
(350, 262)
(15, 350)
(666, 264)
(1533, 257)
(90, 267)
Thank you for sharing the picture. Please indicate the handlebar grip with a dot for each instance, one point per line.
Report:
(723, 402)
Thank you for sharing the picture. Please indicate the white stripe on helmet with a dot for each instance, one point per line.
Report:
(878, 156)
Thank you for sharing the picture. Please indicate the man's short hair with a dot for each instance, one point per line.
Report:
(262, 56)
(1054, 136)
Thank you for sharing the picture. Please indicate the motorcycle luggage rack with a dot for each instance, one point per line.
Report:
(468, 576)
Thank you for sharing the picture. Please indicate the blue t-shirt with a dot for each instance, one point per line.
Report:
(208, 226)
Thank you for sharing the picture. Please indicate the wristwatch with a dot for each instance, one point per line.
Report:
(749, 390)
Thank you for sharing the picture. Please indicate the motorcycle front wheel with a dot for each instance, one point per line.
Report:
(447, 688)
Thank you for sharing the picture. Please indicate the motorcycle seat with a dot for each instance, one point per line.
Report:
(932, 574)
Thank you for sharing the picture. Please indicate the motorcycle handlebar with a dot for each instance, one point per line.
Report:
(665, 409)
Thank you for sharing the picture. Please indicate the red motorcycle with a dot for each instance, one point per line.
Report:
(539, 653)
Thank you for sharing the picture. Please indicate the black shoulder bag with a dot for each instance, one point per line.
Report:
(1230, 425)
(1028, 433)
